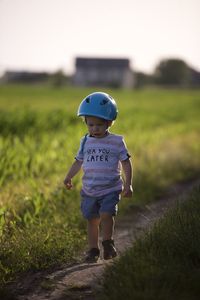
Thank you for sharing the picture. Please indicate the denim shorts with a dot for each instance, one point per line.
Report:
(92, 207)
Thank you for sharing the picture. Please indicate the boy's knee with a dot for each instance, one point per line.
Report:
(94, 221)
(106, 216)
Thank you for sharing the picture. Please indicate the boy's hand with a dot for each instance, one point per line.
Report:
(68, 183)
(127, 191)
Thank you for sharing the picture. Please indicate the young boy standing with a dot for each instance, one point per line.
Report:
(101, 155)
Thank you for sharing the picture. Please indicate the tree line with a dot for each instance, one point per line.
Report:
(170, 73)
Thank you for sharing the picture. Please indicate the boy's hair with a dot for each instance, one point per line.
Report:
(84, 118)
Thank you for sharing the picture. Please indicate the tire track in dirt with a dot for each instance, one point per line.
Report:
(81, 280)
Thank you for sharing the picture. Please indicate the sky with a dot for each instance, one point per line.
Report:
(47, 35)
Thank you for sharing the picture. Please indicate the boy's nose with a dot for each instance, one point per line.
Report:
(96, 128)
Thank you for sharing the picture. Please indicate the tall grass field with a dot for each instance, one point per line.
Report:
(164, 263)
(40, 222)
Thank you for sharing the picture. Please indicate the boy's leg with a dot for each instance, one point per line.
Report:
(108, 209)
(107, 224)
(93, 240)
(107, 212)
(93, 232)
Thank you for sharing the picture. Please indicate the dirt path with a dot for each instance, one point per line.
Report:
(80, 280)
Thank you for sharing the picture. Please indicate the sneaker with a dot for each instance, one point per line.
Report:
(109, 249)
(92, 255)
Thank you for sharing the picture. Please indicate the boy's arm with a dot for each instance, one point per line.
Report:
(127, 169)
(75, 168)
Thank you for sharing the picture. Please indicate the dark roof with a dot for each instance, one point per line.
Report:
(102, 62)
(25, 76)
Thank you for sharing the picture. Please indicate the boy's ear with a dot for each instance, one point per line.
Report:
(110, 123)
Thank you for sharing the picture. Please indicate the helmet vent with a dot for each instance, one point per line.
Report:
(87, 100)
(104, 101)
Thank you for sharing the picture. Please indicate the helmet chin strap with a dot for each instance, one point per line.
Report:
(109, 124)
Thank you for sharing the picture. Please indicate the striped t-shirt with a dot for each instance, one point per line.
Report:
(101, 163)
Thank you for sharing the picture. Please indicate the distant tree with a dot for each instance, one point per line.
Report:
(59, 79)
(143, 79)
(172, 72)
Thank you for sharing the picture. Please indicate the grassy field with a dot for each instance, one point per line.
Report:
(40, 222)
(164, 263)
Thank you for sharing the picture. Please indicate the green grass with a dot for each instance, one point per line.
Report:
(164, 263)
(39, 137)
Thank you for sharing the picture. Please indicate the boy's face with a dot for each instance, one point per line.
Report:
(97, 127)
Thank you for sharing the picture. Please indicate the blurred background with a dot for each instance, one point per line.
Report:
(53, 53)
(125, 43)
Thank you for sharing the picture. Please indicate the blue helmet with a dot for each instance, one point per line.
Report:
(99, 105)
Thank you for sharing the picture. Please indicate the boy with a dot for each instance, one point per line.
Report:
(99, 155)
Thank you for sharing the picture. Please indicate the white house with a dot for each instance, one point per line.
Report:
(111, 72)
